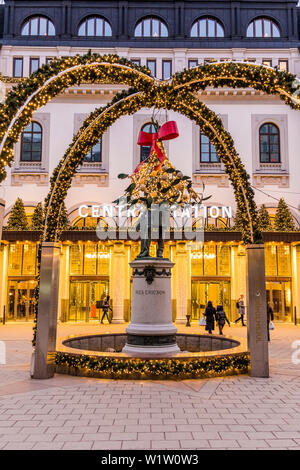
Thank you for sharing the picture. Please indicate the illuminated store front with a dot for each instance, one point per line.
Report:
(21, 277)
(90, 270)
(210, 277)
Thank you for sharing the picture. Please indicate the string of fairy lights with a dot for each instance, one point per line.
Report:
(123, 368)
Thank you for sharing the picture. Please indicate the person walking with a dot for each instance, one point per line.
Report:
(241, 309)
(270, 317)
(221, 317)
(105, 308)
(210, 314)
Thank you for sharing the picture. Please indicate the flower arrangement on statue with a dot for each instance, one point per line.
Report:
(155, 180)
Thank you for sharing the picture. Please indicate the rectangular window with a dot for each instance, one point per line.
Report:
(136, 61)
(283, 65)
(208, 61)
(267, 62)
(95, 154)
(223, 260)
(193, 63)
(34, 64)
(151, 64)
(22, 259)
(210, 260)
(18, 67)
(90, 259)
(76, 259)
(284, 260)
(48, 60)
(166, 69)
(15, 259)
(29, 259)
(278, 260)
(251, 60)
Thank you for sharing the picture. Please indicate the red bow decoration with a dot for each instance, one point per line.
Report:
(167, 131)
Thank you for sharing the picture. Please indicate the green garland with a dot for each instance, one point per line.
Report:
(160, 97)
(132, 368)
(240, 75)
(113, 72)
(175, 94)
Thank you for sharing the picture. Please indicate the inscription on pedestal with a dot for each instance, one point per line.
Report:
(150, 292)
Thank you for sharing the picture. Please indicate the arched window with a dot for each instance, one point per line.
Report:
(94, 26)
(151, 28)
(207, 28)
(95, 154)
(269, 143)
(145, 150)
(31, 143)
(263, 28)
(38, 26)
(208, 153)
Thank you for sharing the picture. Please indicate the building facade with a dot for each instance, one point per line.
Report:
(167, 37)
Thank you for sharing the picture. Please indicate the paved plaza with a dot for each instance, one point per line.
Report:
(80, 413)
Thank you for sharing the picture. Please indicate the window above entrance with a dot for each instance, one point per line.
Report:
(151, 27)
(38, 26)
(263, 28)
(207, 27)
(95, 26)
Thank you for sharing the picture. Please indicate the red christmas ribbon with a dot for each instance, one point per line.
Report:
(167, 131)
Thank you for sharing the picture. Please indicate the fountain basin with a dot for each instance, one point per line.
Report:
(201, 356)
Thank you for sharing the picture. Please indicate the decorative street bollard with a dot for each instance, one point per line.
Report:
(257, 311)
(42, 364)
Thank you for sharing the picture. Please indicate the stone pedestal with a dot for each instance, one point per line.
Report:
(43, 357)
(151, 332)
(257, 311)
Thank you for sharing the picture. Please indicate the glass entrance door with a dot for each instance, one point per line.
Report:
(83, 298)
(21, 300)
(203, 291)
(279, 296)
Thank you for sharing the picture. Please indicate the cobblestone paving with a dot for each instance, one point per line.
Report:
(80, 413)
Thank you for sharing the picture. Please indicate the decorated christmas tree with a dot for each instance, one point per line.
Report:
(283, 220)
(37, 222)
(17, 218)
(264, 221)
(240, 220)
(156, 180)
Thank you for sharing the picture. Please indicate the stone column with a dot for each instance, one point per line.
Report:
(257, 311)
(117, 280)
(182, 282)
(2, 209)
(151, 332)
(42, 365)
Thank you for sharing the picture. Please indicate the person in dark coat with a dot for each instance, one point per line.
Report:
(105, 308)
(270, 317)
(221, 318)
(210, 314)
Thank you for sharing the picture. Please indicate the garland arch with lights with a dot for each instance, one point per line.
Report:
(176, 93)
(130, 102)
